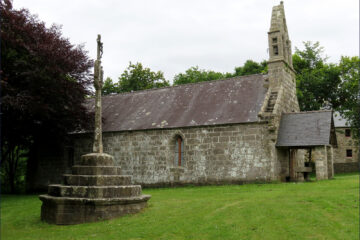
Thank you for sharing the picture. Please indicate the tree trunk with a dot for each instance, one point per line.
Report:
(10, 165)
(11, 172)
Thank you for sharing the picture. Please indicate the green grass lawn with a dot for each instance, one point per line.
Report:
(315, 210)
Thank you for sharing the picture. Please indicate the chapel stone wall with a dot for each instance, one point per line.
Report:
(212, 155)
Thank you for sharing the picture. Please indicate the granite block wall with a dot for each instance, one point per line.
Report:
(342, 162)
(323, 157)
(213, 155)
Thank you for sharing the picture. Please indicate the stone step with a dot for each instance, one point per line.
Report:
(95, 170)
(97, 159)
(94, 191)
(272, 101)
(97, 180)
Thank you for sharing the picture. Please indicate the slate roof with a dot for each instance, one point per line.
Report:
(234, 100)
(305, 129)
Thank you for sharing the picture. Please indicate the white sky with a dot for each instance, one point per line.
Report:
(173, 35)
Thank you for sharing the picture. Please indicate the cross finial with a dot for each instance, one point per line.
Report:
(99, 47)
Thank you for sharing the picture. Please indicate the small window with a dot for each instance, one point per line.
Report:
(347, 133)
(276, 50)
(179, 151)
(274, 40)
(348, 152)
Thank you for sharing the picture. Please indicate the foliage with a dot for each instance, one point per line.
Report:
(251, 67)
(12, 171)
(194, 74)
(349, 96)
(317, 82)
(323, 85)
(109, 87)
(44, 79)
(136, 78)
(326, 209)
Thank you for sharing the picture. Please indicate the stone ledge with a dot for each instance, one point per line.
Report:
(97, 180)
(95, 170)
(97, 159)
(94, 201)
(57, 190)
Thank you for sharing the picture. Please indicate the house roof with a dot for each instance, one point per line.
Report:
(305, 129)
(339, 121)
(234, 100)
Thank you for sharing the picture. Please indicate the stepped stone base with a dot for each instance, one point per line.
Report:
(65, 211)
(94, 191)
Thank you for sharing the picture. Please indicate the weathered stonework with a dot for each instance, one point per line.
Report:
(343, 163)
(95, 190)
(213, 155)
(323, 162)
(281, 95)
(87, 196)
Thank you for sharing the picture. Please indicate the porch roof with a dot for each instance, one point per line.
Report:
(306, 129)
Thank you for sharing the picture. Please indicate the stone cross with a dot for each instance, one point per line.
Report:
(98, 81)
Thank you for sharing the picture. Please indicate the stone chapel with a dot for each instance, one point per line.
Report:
(236, 130)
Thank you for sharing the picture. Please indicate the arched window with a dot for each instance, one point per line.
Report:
(179, 151)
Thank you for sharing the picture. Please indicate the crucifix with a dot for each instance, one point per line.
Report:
(98, 82)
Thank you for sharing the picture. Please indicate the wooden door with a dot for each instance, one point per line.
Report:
(292, 164)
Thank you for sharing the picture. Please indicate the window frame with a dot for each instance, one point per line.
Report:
(349, 153)
(276, 50)
(179, 151)
(179, 143)
(347, 132)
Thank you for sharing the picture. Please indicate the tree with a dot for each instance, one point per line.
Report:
(317, 82)
(194, 74)
(136, 78)
(251, 67)
(44, 79)
(109, 87)
(320, 84)
(349, 96)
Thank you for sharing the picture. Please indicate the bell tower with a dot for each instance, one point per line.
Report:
(279, 42)
(281, 83)
(281, 74)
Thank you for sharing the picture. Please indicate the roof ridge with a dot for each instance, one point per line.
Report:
(187, 84)
(315, 111)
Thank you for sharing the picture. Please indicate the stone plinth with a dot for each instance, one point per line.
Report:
(94, 191)
(323, 162)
